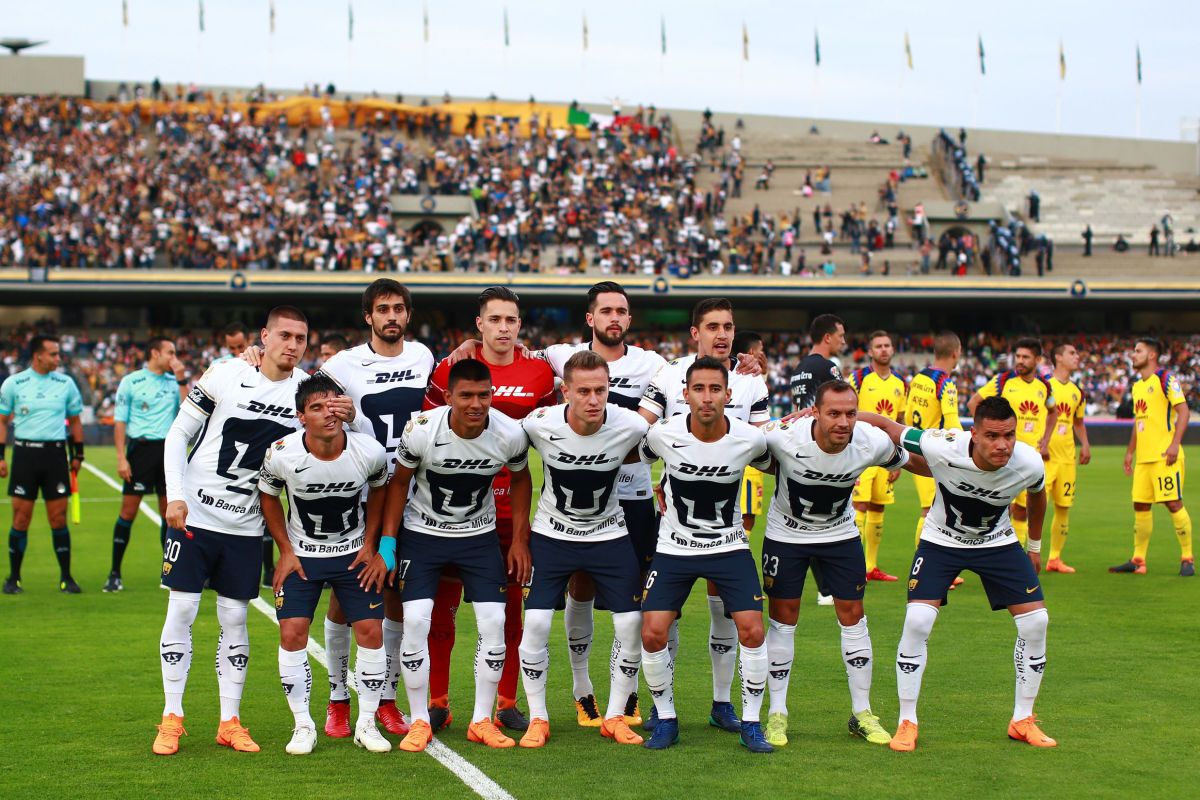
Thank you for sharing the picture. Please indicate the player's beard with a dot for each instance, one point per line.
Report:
(603, 337)
(385, 336)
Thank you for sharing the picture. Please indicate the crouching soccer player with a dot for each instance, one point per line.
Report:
(326, 540)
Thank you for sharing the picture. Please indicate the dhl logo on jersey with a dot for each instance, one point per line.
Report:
(885, 408)
(1029, 407)
(1141, 406)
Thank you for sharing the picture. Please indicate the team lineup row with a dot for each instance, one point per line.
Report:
(459, 496)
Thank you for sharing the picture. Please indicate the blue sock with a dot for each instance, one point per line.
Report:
(17, 541)
(62, 549)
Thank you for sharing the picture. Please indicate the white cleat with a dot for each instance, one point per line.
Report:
(824, 599)
(304, 739)
(367, 736)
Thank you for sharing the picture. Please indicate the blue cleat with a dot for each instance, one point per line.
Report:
(724, 717)
(665, 735)
(651, 721)
(753, 739)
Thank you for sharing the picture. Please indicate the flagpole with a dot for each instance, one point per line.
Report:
(1137, 114)
(1058, 109)
(975, 103)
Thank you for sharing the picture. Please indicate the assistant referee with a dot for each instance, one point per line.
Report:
(37, 401)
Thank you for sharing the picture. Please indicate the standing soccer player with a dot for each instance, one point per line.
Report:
(1032, 399)
(1155, 456)
(580, 527)
(817, 464)
(1060, 467)
(978, 476)
(883, 392)
(751, 344)
(933, 403)
(325, 538)
(37, 401)
(713, 332)
(449, 519)
(521, 384)
(147, 401)
(704, 454)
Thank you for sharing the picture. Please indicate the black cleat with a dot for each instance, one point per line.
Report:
(69, 586)
(12, 585)
(1187, 568)
(439, 718)
(113, 584)
(512, 718)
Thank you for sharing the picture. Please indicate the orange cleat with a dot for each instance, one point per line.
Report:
(419, 734)
(166, 743)
(958, 581)
(485, 732)
(879, 575)
(230, 733)
(1026, 730)
(617, 729)
(906, 737)
(389, 716)
(1057, 565)
(1135, 566)
(337, 720)
(536, 734)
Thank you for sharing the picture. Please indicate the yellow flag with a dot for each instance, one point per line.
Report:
(745, 42)
(908, 50)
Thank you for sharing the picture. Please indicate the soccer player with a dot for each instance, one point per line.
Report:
(449, 519)
(214, 524)
(147, 401)
(816, 463)
(933, 403)
(968, 527)
(1032, 399)
(521, 383)
(713, 332)
(1060, 467)
(704, 454)
(1155, 456)
(580, 527)
(331, 345)
(750, 343)
(883, 392)
(36, 401)
(325, 538)
(236, 338)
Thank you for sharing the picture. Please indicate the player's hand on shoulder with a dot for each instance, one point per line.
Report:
(464, 350)
(177, 512)
(803, 413)
(252, 355)
(747, 364)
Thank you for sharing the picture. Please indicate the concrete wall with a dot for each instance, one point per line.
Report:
(28, 74)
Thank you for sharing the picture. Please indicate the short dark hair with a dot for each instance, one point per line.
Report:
(876, 334)
(743, 341)
(707, 306)
(605, 287)
(585, 360)
(336, 341)
(823, 326)
(836, 386)
(469, 369)
(707, 362)
(1028, 343)
(38, 343)
(313, 386)
(384, 287)
(234, 328)
(1153, 342)
(1059, 349)
(945, 343)
(994, 407)
(156, 343)
(498, 293)
(286, 312)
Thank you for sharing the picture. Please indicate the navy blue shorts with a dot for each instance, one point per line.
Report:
(1006, 573)
(671, 579)
(642, 522)
(611, 564)
(231, 564)
(477, 560)
(299, 597)
(840, 568)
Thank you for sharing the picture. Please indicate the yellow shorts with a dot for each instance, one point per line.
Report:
(873, 486)
(1155, 482)
(1060, 482)
(926, 490)
(752, 491)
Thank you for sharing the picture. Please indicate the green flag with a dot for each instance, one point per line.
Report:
(202, 16)
(350, 13)
(817, 47)
(982, 70)
(1139, 64)
(272, 17)
(662, 32)
(506, 26)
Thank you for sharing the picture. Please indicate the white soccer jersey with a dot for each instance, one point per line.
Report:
(388, 391)
(664, 395)
(703, 484)
(242, 414)
(577, 500)
(628, 378)
(452, 491)
(325, 510)
(971, 505)
(811, 504)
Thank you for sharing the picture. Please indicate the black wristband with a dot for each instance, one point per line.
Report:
(75, 449)
(2, 446)
(181, 381)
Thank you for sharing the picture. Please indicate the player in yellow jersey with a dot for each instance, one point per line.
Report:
(1060, 468)
(1155, 458)
(1030, 396)
(883, 392)
(933, 404)
(752, 479)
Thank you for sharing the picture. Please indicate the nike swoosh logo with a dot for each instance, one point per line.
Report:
(779, 663)
(301, 469)
(554, 438)
(852, 652)
(374, 605)
(247, 385)
(904, 656)
(802, 455)
(236, 646)
(367, 363)
(860, 588)
(758, 598)
(677, 446)
(440, 444)
(1031, 591)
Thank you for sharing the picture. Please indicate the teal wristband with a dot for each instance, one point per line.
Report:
(387, 549)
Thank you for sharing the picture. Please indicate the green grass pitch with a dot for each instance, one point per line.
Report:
(81, 686)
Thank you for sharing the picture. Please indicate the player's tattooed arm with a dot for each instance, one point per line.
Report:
(289, 562)
(521, 493)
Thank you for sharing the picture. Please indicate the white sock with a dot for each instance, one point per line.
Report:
(413, 660)
(722, 649)
(175, 648)
(233, 654)
(672, 642)
(393, 642)
(489, 657)
(859, 658)
(370, 673)
(535, 659)
(660, 677)
(624, 662)
(1029, 658)
(295, 674)
(754, 681)
(911, 656)
(577, 619)
(781, 651)
(337, 658)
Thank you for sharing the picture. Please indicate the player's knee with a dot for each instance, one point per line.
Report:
(489, 618)
(21, 520)
(57, 517)
(919, 619)
(1033, 624)
(848, 613)
(369, 633)
(751, 633)
(417, 619)
(537, 629)
(293, 634)
(231, 614)
(182, 608)
(653, 641)
(626, 625)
